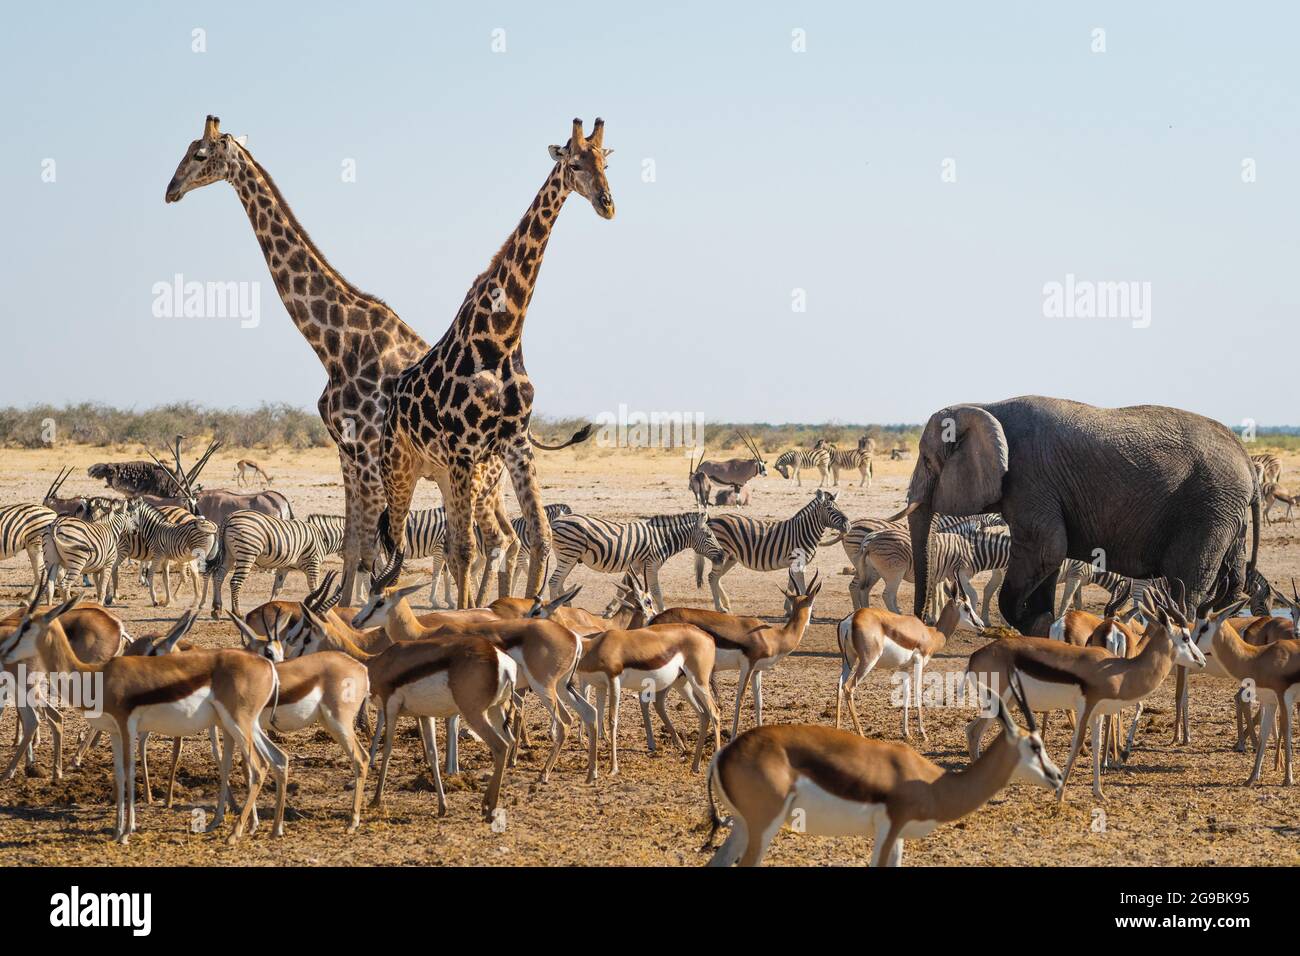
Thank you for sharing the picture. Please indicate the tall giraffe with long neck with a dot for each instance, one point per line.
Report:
(361, 342)
(469, 397)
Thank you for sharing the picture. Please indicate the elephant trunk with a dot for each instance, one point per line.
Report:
(918, 523)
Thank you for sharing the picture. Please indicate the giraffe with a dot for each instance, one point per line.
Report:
(361, 342)
(469, 396)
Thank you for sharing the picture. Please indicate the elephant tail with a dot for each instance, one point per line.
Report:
(1254, 533)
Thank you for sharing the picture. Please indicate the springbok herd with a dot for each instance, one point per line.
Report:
(352, 657)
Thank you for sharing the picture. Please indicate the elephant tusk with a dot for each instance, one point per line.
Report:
(906, 511)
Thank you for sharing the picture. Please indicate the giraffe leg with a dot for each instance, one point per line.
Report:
(495, 535)
(399, 474)
(523, 477)
(351, 535)
(460, 529)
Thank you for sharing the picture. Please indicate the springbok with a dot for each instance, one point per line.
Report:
(840, 784)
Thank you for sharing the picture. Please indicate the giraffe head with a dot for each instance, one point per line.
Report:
(583, 160)
(212, 157)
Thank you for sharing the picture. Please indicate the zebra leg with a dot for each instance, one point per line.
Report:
(439, 556)
(523, 477)
(37, 558)
(891, 592)
(564, 565)
(236, 585)
(651, 572)
(720, 601)
(990, 589)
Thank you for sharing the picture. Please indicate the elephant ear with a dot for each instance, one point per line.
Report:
(963, 459)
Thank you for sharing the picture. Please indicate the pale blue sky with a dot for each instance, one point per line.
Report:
(775, 170)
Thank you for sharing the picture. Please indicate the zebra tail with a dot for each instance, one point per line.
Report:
(699, 570)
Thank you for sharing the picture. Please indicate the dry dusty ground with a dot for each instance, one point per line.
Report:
(1172, 806)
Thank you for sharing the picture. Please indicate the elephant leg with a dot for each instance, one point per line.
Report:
(1028, 594)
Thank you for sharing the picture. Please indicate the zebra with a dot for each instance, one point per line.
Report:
(251, 539)
(522, 541)
(1268, 468)
(771, 545)
(330, 529)
(617, 548)
(880, 549)
(1078, 573)
(848, 459)
(162, 538)
(426, 537)
(21, 529)
(73, 546)
(795, 461)
(962, 554)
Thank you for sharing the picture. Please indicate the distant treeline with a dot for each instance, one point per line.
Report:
(285, 426)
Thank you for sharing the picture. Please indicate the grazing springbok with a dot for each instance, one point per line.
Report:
(871, 636)
(840, 784)
(246, 467)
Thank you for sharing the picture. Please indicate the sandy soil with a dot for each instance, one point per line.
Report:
(1172, 806)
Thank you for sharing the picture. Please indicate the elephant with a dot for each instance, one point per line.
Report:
(1152, 491)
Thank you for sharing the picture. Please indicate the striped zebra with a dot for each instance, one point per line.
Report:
(1268, 468)
(882, 550)
(793, 462)
(1079, 573)
(73, 546)
(962, 554)
(426, 537)
(771, 545)
(251, 539)
(847, 460)
(22, 528)
(522, 542)
(619, 547)
(330, 529)
(161, 539)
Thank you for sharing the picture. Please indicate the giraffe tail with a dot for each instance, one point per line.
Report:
(384, 532)
(581, 435)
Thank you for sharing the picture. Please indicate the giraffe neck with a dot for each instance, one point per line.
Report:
(498, 301)
(327, 309)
